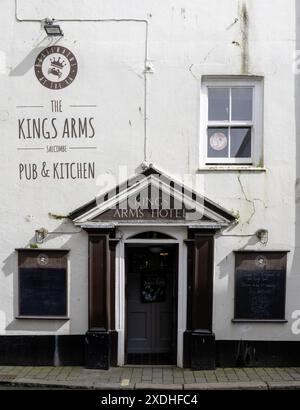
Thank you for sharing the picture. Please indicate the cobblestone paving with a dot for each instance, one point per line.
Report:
(125, 376)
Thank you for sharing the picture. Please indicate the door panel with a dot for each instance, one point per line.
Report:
(165, 323)
(139, 324)
(150, 297)
(163, 320)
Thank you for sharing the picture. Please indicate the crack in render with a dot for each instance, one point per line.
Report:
(191, 71)
(247, 200)
(201, 62)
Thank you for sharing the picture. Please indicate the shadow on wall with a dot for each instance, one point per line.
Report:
(26, 64)
(28, 61)
(78, 285)
(226, 265)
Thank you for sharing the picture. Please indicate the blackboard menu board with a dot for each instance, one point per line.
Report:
(43, 292)
(43, 283)
(260, 285)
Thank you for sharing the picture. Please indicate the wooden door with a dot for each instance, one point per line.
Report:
(150, 300)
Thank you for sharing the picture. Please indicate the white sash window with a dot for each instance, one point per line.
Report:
(231, 122)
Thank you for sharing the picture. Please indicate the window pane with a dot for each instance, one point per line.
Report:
(241, 104)
(217, 142)
(218, 104)
(240, 142)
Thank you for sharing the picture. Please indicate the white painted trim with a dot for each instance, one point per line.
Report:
(192, 224)
(151, 241)
(155, 183)
(182, 300)
(228, 167)
(120, 302)
(256, 124)
(180, 233)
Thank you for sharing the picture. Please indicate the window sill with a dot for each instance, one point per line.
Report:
(44, 317)
(222, 168)
(259, 321)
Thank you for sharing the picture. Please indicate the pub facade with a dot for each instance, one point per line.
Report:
(149, 189)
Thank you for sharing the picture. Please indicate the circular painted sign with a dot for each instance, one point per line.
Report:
(42, 259)
(260, 261)
(56, 67)
(218, 141)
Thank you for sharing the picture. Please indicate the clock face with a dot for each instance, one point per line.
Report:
(42, 259)
(56, 67)
(218, 141)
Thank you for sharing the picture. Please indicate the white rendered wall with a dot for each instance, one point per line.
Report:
(186, 40)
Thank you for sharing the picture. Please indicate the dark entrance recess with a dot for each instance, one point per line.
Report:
(101, 340)
(151, 311)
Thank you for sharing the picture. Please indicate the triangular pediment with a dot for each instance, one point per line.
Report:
(153, 197)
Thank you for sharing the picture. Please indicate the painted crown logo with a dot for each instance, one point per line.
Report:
(59, 63)
(56, 67)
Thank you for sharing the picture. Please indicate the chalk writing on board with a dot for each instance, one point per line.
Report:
(259, 294)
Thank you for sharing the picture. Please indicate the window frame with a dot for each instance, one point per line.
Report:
(256, 124)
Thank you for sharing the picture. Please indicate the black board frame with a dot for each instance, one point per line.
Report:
(57, 259)
(282, 267)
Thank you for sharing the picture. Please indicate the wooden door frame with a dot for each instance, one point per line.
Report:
(175, 246)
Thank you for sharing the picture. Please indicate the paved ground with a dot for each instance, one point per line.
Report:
(152, 377)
